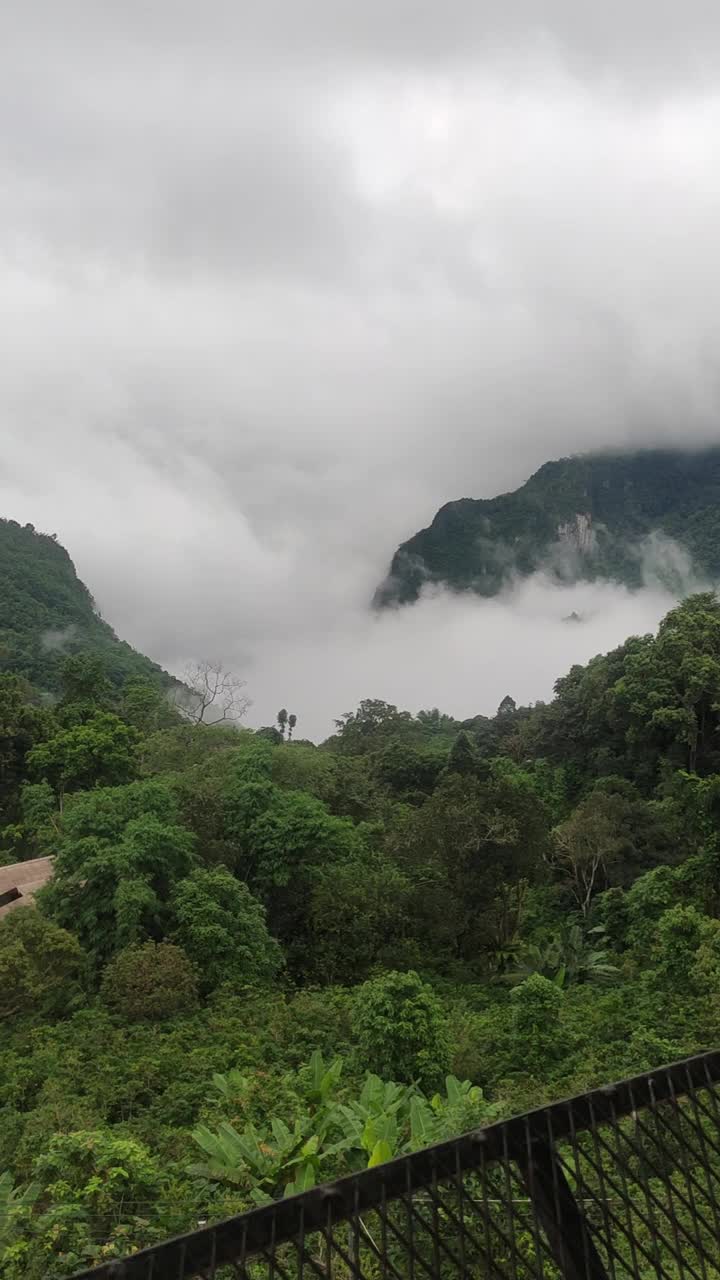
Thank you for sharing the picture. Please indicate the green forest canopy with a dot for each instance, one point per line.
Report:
(253, 947)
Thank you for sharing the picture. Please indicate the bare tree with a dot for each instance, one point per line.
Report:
(211, 695)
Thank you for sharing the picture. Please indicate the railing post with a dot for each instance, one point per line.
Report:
(559, 1214)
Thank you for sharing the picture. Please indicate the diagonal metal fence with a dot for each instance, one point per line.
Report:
(620, 1182)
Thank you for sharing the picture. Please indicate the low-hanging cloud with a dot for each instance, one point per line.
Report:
(280, 280)
(57, 639)
(457, 652)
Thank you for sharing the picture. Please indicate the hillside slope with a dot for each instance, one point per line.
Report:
(584, 517)
(46, 613)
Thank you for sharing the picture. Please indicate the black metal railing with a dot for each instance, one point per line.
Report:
(620, 1182)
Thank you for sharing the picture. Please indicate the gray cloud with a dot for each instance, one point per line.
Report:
(664, 39)
(278, 280)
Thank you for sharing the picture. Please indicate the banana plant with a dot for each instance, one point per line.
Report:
(16, 1205)
(273, 1162)
(230, 1086)
(370, 1123)
(462, 1107)
(386, 1120)
(568, 956)
(283, 1159)
(324, 1077)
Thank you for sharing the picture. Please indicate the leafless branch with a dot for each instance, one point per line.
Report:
(211, 695)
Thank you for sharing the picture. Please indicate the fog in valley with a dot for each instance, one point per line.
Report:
(277, 285)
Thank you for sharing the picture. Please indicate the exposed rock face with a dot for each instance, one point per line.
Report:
(578, 534)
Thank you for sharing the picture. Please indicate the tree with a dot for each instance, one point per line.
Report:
(683, 937)
(609, 835)
(669, 693)
(400, 1029)
(278, 837)
(152, 980)
(408, 770)
(536, 1007)
(37, 807)
(84, 688)
(285, 724)
(33, 835)
(508, 908)
(23, 724)
(436, 722)
(146, 707)
(648, 705)
(360, 916)
(222, 928)
(270, 734)
(470, 838)
(484, 734)
(41, 965)
(507, 707)
(120, 853)
(583, 728)
(211, 694)
(643, 905)
(364, 729)
(99, 752)
(463, 757)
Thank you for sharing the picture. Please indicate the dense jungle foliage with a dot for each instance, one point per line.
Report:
(578, 518)
(261, 963)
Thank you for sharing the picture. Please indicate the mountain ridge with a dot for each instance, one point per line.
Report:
(581, 518)
(47, 613)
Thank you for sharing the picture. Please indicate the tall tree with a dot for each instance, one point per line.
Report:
(41, 965)
(587, 846)
(463, 757)
(23, 724)
(401, 1029)
(221, 927)
(120, 853)
(85, 688)
(101, 751)
(365, 729)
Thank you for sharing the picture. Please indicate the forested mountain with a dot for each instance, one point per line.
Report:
(583, 517)
(261, 963)
(46, 613)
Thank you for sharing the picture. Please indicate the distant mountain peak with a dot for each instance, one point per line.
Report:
(592, 516)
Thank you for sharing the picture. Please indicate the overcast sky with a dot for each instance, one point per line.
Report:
(281, 277)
